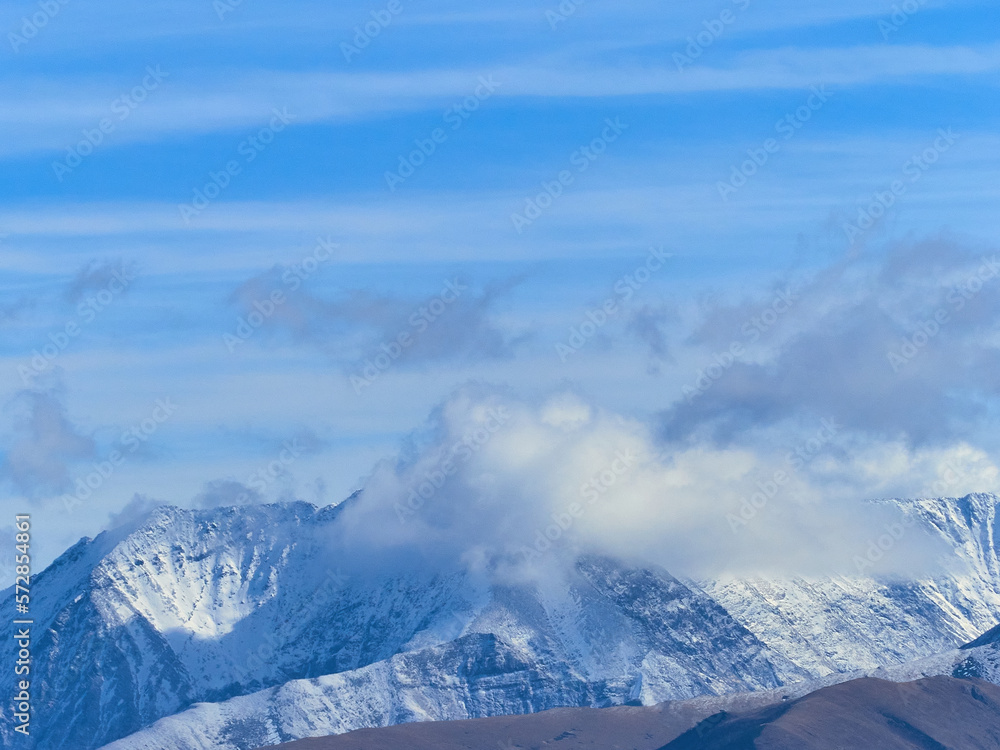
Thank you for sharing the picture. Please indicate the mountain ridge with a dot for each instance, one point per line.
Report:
(201, 607)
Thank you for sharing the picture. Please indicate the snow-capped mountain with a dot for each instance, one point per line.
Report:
(235, 628)
(841, 623)
(387, 694)
(201, 606)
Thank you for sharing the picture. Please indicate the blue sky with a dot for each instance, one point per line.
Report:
(508, 98)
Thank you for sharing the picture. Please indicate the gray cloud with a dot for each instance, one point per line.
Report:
(307, 442)
(11, 311)
(224, 492)
(43, 444)
(138, 508)
(93, 277)
(900, 348)
(359, 322)
(651, 324)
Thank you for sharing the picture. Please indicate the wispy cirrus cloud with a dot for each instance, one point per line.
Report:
(50, 115)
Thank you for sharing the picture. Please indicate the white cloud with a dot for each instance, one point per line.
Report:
(562, 476)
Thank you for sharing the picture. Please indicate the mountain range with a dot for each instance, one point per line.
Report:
(234, 628)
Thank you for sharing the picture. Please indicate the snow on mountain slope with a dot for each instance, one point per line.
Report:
(422, 687)
(201, 606)
(614, 634)
(688, 644)
(982, 662)
(842, 623)
(476, 675)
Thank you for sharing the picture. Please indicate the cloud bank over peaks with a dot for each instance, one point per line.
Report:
(510, 488)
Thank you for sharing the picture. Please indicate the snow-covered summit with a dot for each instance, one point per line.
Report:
(202, 606)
